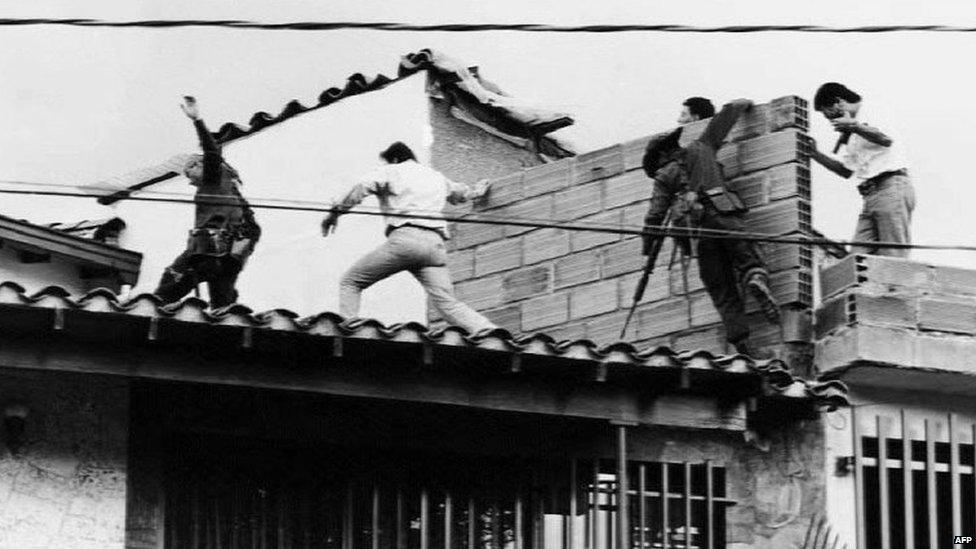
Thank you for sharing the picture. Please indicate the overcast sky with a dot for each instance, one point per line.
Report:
(79, 105)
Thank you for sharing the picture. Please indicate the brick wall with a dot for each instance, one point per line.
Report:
(897, 312)
(67, 487)
(574, 284)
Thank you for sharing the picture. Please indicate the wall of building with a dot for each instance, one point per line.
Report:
(579, 284)
(35, 276)
(467, 153)
(67, 486)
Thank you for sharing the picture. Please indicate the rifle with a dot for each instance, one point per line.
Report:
(648, 269)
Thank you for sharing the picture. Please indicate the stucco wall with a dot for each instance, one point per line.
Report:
(67, 487)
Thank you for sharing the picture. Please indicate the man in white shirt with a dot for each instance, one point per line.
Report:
(873, 156)
(404, 187)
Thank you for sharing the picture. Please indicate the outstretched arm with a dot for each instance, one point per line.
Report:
(211, 150)
(830, 162)
(373, 183)
(721, 124)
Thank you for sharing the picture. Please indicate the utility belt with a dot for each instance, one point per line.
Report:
(438, 232)
(870, 186)
(691, 205)
(219, 242)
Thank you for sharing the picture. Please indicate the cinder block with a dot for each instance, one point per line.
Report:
(953, 280)
(623, 257)
(576, 269)
(857, 307)
(894, 271)
(946, 352)
(947, 315)
(787, 256)
(703, 311)
(785, 181)
(678, 279)
(711, 339)
(466, 235)
(605, 329)
(832, 314)
(543, 244)
(544, 311)
(838, 277)
(633, 218)
(527, 281)
(593, 299)
(461, 264)
(790, 215)
(579, 201)
(661, 318)
(764, 152)
(481, 293)
(628, 188)
(533, 209)
(547, 178)
(503, 191)
(633, 153)
(657, 287)
(797, 324)
(509, 318)
(788, 112)
(599, 164)
(568, 332)
(581, 240)
(498, 256)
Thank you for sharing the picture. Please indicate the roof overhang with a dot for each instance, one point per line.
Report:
(140, 339)
(85, 252)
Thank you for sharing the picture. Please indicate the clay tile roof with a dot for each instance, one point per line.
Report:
(775, 383)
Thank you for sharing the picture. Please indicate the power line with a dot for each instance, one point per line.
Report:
(478, 27)
(489, 219)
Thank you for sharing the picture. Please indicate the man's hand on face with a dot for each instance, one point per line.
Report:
(844, 123)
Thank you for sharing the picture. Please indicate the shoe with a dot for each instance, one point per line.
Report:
(760, 290)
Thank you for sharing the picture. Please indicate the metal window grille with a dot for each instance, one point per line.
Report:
(334, 498)
(926, 507)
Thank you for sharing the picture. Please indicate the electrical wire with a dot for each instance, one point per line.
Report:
(477, 218)
(479, 27)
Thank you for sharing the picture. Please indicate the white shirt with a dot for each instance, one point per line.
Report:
(867, 159)
(410, 188)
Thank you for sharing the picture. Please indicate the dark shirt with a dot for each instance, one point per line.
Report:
(697, 168)
(219, 204)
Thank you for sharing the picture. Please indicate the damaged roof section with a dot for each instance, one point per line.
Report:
(473, 99)
(273, 347)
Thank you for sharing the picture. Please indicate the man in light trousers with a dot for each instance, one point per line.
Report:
(871, 152)
(403, 186)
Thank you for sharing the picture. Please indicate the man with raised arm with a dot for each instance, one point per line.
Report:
(404, 187)
(689, 181)
(224, 229)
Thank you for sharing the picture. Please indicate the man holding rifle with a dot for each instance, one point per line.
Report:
(690, 189)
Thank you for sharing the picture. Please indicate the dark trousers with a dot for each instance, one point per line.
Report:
(725, 266)
(189, 269)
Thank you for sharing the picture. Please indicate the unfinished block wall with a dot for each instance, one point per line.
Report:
(897, 312)
(575, 284)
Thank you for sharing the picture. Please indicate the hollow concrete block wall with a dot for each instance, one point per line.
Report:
(576, 284)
